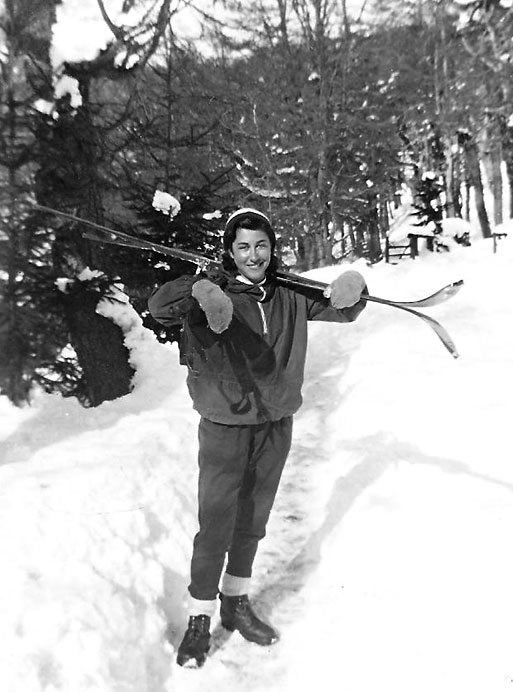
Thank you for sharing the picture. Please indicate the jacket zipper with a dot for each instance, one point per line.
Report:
(264, 320)
(259, 303)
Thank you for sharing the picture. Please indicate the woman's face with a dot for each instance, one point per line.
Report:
(251, 252)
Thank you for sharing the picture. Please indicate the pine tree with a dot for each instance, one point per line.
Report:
(72, 177)
(428, 203)
(31, 331)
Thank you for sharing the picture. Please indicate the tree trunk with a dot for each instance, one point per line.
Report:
(13, 347)
(497, 187)
(466, 209)
(474, 179)
(384, 217)
(507, 147)
(352, 239)
(305, 252)
(449, 180)
(374, 252)
(509, 171)
(101, 352)
(25, 75)
(454, 184)
(491, 156)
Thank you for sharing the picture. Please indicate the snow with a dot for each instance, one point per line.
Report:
(80, 33)
(166, 203)
(387, 563)
(217, 214)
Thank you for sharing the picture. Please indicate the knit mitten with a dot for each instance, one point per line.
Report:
(216, 305)
(346, 289)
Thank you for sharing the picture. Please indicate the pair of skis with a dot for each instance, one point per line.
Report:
(102, 234)
(436, 298)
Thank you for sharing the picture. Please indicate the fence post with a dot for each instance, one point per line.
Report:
(414, 245)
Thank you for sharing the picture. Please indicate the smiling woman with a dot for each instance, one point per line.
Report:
(244, 343)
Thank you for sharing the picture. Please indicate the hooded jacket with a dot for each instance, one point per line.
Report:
(253, 371)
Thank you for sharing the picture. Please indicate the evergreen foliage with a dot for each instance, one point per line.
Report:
(427, 202)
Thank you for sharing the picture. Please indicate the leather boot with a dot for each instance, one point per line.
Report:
(196, 641)
(237, 614)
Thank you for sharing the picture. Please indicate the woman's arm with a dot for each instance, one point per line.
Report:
(195, 296)
(169, 303)
(345, 301)
(321, 309)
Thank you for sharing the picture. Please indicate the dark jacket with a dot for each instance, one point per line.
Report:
(253, 371)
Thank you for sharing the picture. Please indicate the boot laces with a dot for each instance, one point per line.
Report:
(197, 627)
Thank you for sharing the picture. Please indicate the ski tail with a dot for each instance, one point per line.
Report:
(440, 331)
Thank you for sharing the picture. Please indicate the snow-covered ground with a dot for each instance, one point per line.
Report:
(388, 561)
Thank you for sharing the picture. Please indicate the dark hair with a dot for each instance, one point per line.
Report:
(253, 220)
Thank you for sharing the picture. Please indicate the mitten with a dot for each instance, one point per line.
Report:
(346, 290)
(216, 305)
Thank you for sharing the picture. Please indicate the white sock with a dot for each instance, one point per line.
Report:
(198, 607)
(235, 586)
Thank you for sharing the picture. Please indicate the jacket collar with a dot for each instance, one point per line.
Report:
(262, 291)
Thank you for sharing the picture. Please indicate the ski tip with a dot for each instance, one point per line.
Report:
(452, 349)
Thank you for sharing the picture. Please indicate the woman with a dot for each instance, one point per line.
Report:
(244, 343)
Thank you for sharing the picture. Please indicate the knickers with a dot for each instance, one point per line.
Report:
(240, 468)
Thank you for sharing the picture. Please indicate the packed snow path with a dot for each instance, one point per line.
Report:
(387, 564)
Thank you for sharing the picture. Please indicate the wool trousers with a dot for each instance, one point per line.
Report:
(240, 467)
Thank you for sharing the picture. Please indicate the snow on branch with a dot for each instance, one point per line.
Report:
(132, 46)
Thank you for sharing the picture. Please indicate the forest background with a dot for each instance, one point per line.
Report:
(317, 113)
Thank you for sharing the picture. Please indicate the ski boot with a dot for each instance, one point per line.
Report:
(237, 614)
(196, 641)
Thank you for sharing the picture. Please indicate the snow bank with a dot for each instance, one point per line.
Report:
(97, 511)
